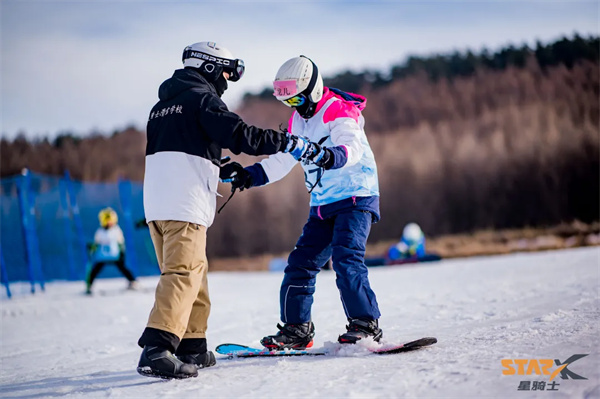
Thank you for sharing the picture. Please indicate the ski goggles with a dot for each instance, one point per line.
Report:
(287, 88)
(235, 68)
(296, 101)
(237, 71)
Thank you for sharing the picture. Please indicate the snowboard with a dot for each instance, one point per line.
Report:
(243, 351)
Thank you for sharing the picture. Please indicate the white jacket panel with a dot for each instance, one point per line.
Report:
(179, 186)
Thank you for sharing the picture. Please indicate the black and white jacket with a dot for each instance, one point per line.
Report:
(186, 131)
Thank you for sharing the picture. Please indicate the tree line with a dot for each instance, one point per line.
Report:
(462, 141)
(566, 51)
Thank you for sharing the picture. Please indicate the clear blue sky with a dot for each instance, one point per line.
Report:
(85, 65)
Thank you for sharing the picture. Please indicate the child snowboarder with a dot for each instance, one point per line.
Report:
(108, 247)
(341, 176)
(411, 245)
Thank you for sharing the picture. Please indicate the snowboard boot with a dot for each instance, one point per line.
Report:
(200, 360)
(359, 329)
(161, 363)
(291, 336)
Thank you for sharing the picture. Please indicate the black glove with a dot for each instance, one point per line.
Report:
(235, 174)
(321, 156)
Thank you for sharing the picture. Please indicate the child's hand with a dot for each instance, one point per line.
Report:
(320, 156)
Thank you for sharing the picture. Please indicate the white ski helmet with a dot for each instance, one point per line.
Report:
(296, 76)
(412, 233)
(213, 60)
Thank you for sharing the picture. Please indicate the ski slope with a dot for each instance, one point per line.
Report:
(521, 306)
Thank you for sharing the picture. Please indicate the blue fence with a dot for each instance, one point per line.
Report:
(47, 221)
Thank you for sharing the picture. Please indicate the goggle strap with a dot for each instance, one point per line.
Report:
(313, 78)
(206, 57)
(228, 65)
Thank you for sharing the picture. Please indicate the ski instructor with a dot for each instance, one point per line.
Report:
(186, 131)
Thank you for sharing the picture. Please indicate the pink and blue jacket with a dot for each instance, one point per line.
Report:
(337, 124)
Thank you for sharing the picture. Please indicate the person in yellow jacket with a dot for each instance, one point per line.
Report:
(108, 247)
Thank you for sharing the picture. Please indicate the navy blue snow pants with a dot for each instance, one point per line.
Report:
(342, 237)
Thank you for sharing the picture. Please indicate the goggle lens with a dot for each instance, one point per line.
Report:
(237, 71)
(240, 68)
(295, 101)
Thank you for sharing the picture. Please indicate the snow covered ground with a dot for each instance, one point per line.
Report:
(522, 306)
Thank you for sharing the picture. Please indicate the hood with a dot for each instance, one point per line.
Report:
(182, 80)
(359, 101)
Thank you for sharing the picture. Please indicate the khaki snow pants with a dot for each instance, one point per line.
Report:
(181, 304)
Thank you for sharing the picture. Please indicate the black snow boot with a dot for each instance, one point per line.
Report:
(193, 351)
(291, 336)
(359, 329)
(161, 363)
(200, 360)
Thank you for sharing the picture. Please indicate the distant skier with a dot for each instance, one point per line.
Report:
(411, 245)
(342, 180)
(186, 132)
(108, 247)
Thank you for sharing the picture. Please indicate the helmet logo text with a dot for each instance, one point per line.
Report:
(210, 58)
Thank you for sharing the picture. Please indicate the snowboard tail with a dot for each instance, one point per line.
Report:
(408, 346)
(243, 351)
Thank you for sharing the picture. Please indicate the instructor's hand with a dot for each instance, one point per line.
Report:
(299, 147)
(235, 174)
